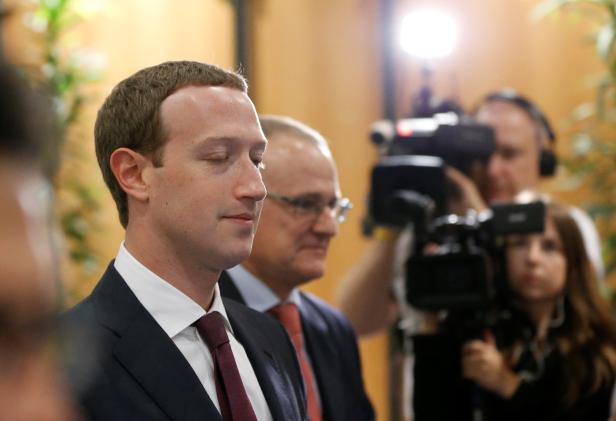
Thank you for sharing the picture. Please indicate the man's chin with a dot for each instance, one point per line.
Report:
(235, 257)
(311, 272)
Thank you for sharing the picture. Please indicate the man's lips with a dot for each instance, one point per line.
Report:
(315, 247)
(242, 218)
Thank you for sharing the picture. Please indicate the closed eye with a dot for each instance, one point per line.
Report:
(216, 158)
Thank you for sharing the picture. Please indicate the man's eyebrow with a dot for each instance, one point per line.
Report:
(260, 143)
(508, 148)
(315, 195)
(216, 140)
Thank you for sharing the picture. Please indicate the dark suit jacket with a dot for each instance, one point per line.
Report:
(332, 346)
(141, 375)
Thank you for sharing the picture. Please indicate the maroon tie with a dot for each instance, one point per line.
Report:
(288, 316)
(232, 398)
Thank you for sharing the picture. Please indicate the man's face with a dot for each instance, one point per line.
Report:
(205, 199)
(515, 164)
(290, 247)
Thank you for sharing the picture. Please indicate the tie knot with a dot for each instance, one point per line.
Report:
(211, 327)
(288, 316)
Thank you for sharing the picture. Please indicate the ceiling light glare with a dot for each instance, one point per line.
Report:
(428, 34)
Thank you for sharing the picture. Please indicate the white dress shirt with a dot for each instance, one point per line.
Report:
(175, 312)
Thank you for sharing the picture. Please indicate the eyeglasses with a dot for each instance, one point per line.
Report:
(314, 205)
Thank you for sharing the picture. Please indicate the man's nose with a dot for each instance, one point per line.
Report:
(326, 223)
(250, 183)
(495, 165)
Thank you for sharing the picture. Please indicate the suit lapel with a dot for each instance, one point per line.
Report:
(323, 357)
(149, 355)
(272, 379)
(228, 288)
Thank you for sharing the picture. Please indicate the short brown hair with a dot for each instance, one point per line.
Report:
(129, 117)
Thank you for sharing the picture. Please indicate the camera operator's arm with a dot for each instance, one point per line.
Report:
(469, 196)
(365, 294)
(484, 364)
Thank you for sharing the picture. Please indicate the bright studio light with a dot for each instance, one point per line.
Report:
(428, 34)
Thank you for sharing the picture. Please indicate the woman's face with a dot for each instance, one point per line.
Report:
(537, 265)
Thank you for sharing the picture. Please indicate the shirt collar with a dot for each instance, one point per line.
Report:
(173, 310)
(256, 293)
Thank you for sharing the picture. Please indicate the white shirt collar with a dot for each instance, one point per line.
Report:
(256, 293)
(173, 310)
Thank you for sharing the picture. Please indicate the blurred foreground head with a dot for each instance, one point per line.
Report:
(29, 381)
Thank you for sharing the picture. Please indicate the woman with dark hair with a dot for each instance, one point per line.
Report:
(555, 357)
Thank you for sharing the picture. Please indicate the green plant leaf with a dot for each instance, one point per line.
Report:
(548, 7)
(605, 40)
(583, 143)
(63, 75)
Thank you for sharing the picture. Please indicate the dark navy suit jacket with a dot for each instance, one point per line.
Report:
(140, 374)
(332, 346)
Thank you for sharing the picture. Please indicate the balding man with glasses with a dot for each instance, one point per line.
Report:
(300, 216)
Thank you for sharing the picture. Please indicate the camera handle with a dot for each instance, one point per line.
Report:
(475, 396)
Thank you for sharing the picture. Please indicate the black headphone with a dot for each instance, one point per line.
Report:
(547, 158)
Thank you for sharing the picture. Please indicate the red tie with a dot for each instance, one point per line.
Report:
(232, 398)
(288, 315)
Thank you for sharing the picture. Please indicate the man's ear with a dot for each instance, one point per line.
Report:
(128, 167)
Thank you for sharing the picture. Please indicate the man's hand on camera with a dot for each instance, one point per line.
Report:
(486, 366)
(469, 196)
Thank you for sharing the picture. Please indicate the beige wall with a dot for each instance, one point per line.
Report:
(318, 61)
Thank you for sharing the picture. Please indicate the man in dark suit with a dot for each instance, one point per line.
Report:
(300, 216)
(180, 148)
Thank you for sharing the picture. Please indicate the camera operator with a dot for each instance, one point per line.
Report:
(523, 154)
(553, 358)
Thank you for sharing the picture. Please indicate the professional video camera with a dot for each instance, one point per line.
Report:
(414, 154)
(409, 186)
(468, 270)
